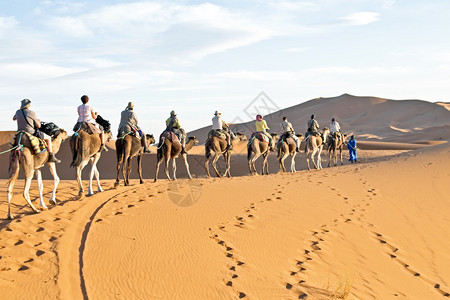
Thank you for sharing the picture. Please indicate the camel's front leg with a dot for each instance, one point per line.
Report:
(312, 158)
(52, 168)
(227, 158)
(207, 166)
(340, 154)
(266, 163)
(187, 165)
(157, 169)
(255, 157)
(40, 188)
(319, 159)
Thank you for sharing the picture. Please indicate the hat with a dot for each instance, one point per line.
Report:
(217, 113)
(25, 103)
(130, 105)
(173, 113)
(259, 117)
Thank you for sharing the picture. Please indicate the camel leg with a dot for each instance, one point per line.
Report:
(312, 158)
(139, 163)
(40, 188)
(207, 166)
(227, 157)
(26, 190)
(255, 157)
(9, 196)
(340, 154)
(166, 167)
(282, 166)
(157, 169)
(80, 183)
(97, 173)
(330, 155)
(266, 163)
(174, 168)
(119, 165)
(52, 168)
(215, 159)
(187, 165)
(308, 156)
(319, 159)
(293, 170)
(128, 170)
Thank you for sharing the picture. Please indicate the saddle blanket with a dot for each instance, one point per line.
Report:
(37, 144)
(260, 136)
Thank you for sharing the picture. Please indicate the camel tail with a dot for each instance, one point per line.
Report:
(75, 143)
(207, 151)
(14, 163)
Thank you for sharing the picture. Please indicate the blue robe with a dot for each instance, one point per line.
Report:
(351, 146)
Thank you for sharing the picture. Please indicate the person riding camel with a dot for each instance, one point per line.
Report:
(173, 125)
(262, 127)
(288, 131)
(87, 116)
(313, 127)
(335, 129)
(219, 125)
(28, 122)
(128, 118)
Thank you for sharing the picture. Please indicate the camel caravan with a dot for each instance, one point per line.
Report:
(36, 144)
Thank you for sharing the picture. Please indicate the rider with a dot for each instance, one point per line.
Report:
(173, 124)
(219, 125)
(28, 122)
(335, 128)
(261, 126)
(87, 115)
(128, 117)
(286, 128)
(313, 127)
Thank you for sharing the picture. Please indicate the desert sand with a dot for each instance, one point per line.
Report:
(377, 229)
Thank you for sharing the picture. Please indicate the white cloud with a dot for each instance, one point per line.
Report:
(7, 23)
(361, 18)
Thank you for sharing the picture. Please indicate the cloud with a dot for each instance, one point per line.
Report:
(360, 18)
(7, 23)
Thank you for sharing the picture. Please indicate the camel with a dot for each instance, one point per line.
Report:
(287, 147)
(128, 147)
(259, 148)
(314, 144)
(85, 148)
(219, 147)
(333, 145)
(171, 150)
(30, 162)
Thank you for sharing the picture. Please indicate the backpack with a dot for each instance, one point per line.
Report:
(50, 129)
(104, 123)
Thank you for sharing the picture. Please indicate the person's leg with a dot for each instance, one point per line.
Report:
(296, 141)
(48, 141)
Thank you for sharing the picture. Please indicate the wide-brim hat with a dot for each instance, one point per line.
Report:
(130, 105)
(25, 103)
(217, 113)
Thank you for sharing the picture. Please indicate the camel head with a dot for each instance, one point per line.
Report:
(241, 136)
(275, 137)
(63, 134)
(191, 142)
(300, 136)
(150, 139)
(108, 136)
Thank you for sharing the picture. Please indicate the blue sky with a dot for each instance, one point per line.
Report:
(197, 57)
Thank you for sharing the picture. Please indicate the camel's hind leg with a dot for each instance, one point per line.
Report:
(265, 163)
(40, 188)
(119, 165)
(94, 172)
(282, 159)
(319, 159)
(26, 190)
(227, 157)
(80, 183)
(215, 159)
(157, 169)
(313, 154)
(127, 180)
(139, 162)
(52, 168)
(255, 157)
(293, 170)
(174, 168)
(10, 195)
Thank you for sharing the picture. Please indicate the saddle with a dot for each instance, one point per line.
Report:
(260, 136)
(37, 144)
(170, 135)
(216, 133)
(127, 130)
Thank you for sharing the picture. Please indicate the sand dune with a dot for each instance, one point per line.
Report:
(377, 229)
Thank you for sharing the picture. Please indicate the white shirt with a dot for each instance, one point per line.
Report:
(85, 113)
(286, 126)
(334, 126)
(217, 122)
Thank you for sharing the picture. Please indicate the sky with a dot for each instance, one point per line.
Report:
(197, 57)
